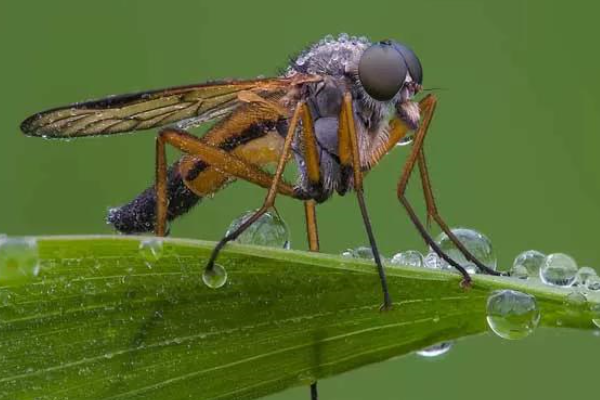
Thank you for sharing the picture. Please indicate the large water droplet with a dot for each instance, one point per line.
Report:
(527, 264)
(558, 270)
(268, 230)
(215, 277)
(583, 274)
(410, 258)
(511, 314)
(151, 250)
(19, 260)
(477, 244)
(436, 350)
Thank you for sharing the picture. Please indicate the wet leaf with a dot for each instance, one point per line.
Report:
(102, 320)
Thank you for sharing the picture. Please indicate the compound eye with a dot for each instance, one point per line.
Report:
(412, 61)
(382, 71)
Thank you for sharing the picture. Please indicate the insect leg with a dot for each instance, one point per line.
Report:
(312, 234)
(226, 162)
(432, 213)
(274, 188)
(313, 172)
(427, 106)
(350, 158)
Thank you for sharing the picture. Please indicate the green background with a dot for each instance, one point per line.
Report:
(512, 150)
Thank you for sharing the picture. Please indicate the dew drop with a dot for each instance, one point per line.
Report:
(593, 283)
(519, 271)
(362, 252)
(583, 274)
(558, 270)
(527, 264)
(436, 350)
(477, 243)
(512, 315)
(433, 261)
(575, 299)
(151, 250)
(405, 141)
(215, 278)
(410, 258)
(268, 230)
(19, 260)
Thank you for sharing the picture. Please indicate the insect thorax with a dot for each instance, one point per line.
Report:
(336, 60)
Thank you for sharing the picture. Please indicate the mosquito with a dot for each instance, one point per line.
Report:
(341, 105)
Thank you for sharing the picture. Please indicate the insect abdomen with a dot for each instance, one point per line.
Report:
(139, 215)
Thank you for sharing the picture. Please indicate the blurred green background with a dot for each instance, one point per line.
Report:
(512, 150)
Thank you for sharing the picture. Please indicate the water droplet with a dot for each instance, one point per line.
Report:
(362, 252)
(519, 271)
(511, 314)
(593, 283)
(268, 230)
(410, 258)
(575, 299)
(433, 261)
(436, 350)
(151, 250)
(558, 270)
(527, 264)
(215, 278)
(583, 274)
(19, 259)
(477, 243)
(405, 141)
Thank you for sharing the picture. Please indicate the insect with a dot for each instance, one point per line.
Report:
(342, 105)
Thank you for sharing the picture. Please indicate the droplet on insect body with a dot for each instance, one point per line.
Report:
(215, 277)
(512, 315)
(409, 258)
(475, 242)
(268, 230)
(558, 270)
(19, 259)
(595, 310)
(527, 264)
(405, 141)
(436, 350)
(151, 250)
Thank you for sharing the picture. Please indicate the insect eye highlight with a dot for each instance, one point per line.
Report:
(382, 71)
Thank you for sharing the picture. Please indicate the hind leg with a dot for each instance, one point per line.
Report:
(227, 163)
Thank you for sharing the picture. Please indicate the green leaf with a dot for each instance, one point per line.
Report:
(99, 322)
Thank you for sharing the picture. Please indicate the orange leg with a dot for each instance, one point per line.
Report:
(350, 160)
(226, 162)
(432, 213)
(427, 106)
(273, 189)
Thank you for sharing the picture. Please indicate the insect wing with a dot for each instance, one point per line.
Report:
(151, 109)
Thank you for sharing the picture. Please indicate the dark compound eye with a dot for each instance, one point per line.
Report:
(382, 71)
(412, 61)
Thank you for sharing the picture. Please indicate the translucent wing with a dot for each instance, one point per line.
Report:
(191, 104)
